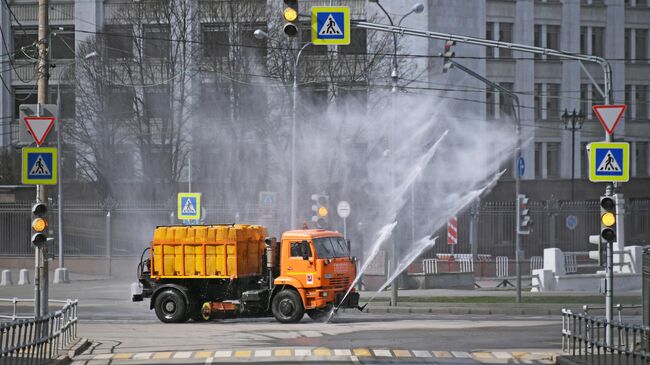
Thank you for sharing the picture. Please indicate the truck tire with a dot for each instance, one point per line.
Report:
(170, 306)
(287, 307)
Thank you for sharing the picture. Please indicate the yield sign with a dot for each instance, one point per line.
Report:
(39, 127)
(609, 115)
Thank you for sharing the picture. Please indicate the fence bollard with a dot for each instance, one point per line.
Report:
(6, 278)
(23, 277)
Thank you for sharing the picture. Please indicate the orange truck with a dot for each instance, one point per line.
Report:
(231, 270)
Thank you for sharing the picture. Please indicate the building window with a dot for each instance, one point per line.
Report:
(505, 35)
(311, 50)
(628, 101)
(23, 96)
(598, 41)
(25, 37)
(489, 34)
(215, 41)
(583, 40)
(585, 101)
(538, 160)
(358, 42)
(553, 38)
(552, 101)
(537, 39)
(119, 41)
(252, 46)
(505, 101)
(596, 97)
(120, 103)
(156, 41)
(552, 159)
(538, 101)
(68, 101)
(157, 103)
(62, 46)
(490, 112)
(628, 44)
(641, 158)
(641, 44)
(641, 101)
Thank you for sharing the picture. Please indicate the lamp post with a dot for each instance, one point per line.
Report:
(417, 8)
(260, 34)
(573, 122)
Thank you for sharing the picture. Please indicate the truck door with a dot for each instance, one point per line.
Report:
(300, 264)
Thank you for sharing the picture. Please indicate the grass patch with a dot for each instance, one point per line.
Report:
(589, 299)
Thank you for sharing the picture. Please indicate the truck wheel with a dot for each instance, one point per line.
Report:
(170, 306)
(287, 307)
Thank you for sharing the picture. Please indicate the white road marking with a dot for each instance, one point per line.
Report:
(208, 361)
(342, 352)
(103, 356)
(223, 353)
(421, 353)
(284, 335)
(461, 354)
(183, 355)
(263, 353)
(382, 353)
(302, 352)
(502, 355)
(142, 355)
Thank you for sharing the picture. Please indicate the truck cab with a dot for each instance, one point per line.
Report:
(317, 266)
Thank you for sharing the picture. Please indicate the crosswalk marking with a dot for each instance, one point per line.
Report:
(322, 352)
(417, 353)
(461, 354)
(142, 356)
(283, 352)
(183, 355)
(402, 353)
(342, 352)
(382, 353)
(243, 353)
(103, 357)
(362, 352)
(502, 355)
(442, 354)
(263, 353)
(302, 352)
(222, 353)
(162, 355)
(203, 354)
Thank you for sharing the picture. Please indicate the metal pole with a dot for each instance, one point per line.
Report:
(189, 175)
(293, 136)
(393, 75)
(109, 244)
(345, 229)
(59, 198)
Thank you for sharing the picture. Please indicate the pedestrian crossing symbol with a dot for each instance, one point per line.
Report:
(330, 25)
(39, 166)
(189, 206)
(609, 161)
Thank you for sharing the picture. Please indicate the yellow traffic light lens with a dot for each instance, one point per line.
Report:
(39, 224)
(322, 211)
(608, 219)
(290, 14)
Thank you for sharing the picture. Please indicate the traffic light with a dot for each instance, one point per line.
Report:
(290, 15)
(447, 54)
(39, 224)
(523, 215)
(599, 255)
(320, 210)
(608, 218)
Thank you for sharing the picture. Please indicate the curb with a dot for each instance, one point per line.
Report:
(462, 309)
(74, 350)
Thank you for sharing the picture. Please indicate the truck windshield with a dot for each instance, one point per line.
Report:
(331, 247)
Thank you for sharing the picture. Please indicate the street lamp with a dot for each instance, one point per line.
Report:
(573, 122)
(417, 8)
(260, 34)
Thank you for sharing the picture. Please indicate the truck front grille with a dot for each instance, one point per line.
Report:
(339, 281)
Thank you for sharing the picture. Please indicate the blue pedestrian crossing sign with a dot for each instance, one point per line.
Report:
(330, 25)
(609, 161)
(189, 206)
(39, 166)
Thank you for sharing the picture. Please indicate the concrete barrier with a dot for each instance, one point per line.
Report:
(6, 278)
(23, 277)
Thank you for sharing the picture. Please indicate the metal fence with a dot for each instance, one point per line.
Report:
(562, 224)
(35, 341)
(89, 229)
(584, 336)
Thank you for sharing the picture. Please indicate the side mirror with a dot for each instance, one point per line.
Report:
(304, 250)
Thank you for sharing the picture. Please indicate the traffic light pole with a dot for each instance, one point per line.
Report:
(41, 275)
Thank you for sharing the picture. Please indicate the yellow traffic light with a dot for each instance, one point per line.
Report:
(322, 211)
(290, 14)
(608, 219)
(39, 225)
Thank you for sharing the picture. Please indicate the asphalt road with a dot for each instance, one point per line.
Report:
(121, 331)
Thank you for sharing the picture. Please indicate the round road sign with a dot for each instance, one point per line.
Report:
(343, 209)
(571, 222)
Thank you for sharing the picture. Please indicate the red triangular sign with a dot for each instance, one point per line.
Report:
(39, 127)
(609, 115)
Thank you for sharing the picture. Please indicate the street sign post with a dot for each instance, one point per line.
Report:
(39, 166)
(609, 116)
(609, 161)
(189, 206)
(522, 166)
(330, 25)
(343, 210)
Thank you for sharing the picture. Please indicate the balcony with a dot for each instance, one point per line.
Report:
(27, 14)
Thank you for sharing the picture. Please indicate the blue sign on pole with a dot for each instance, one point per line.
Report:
(522, 166)
(571, 222)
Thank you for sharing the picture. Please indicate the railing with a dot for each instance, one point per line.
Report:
(584, 336)
(570, 263)
(430, 266)
(536, 263)
(37, 339)
(502, 266)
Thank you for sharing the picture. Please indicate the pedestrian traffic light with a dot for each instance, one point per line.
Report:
(523, 215)
(39, 224)
(290, 15)
(608, 218)
(320, 210)
(447, 54)
(598, 255)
